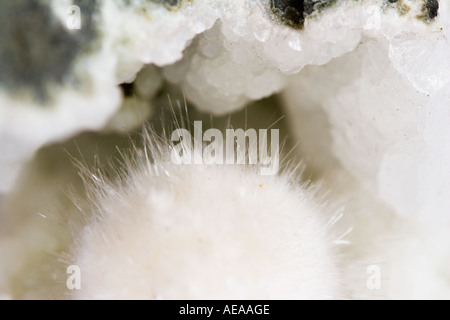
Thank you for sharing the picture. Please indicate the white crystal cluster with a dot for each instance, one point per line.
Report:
(215, 240)
(130, 34)
(246, 56)
(25, 126)
(142, 32)
(243, 53)
(383, 112)
(386, 103)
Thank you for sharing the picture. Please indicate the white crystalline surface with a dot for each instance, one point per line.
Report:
(249, 55)
(387, 104)
(25, 127)
(144, 32)
(129, 36)
(383, 112)
(240, 52)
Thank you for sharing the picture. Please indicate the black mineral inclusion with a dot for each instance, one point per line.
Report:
(294, 12)
(432, 8)
(36, 50)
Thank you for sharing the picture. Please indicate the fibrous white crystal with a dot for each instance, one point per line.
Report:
(260, 237)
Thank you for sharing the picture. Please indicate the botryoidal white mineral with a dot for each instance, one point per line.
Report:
(246, 50)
